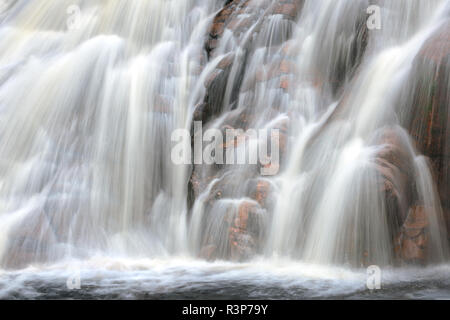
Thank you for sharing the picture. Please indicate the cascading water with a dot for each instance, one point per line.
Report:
(85, 162)
(91, 92)
(337, 96)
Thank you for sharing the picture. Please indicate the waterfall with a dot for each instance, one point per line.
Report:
(92, 91)
(87, 108)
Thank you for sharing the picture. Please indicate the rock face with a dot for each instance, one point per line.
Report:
(238, 34)
(408, 218)
(243, 232)
(238, 92)
(430, 123)
(412, 242)
(244, 22)
(395, 168)
(240, 29)
(32, 240)
(239, 15)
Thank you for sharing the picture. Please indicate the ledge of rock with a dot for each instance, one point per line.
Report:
(412, 241)
(430, 123)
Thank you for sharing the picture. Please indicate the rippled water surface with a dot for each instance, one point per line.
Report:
(190, 279)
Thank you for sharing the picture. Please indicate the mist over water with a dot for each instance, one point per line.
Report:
(91, 92)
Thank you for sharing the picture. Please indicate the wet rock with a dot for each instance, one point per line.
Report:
(217, 29)
(289, 8)
(285, 83)
(241, 245)
(193, 189)
(199, 111)
(216, 85)
(239, 24)
(430, 121)
(226, 62)
(283, 67)
(261, 192)
(213, 76)
(412, 241)
(30, 241)
(220, 22)
(342, 53)
(243, 214)
(244, 225)
(243, 233)
(239, 16)
(395, 169)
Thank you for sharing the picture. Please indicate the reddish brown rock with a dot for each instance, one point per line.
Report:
(226, 62)
(212, 77)
(395, 169)
(240, 24)
(217, 29)
(288, 9)
(242, 236)
(242, 226)
(290, 49)
(243, 213)
(284, 83)
(262, 192)
(241, 246)
(412, 241)
(283, 67)
(221, 21)
(430, 122)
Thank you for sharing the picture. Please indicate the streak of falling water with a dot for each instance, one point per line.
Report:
(90, 92)
(348, 217)
(329, 207)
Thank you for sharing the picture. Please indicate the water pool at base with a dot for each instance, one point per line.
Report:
(189, 279)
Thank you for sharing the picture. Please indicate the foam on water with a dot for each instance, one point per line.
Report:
(183, 277)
